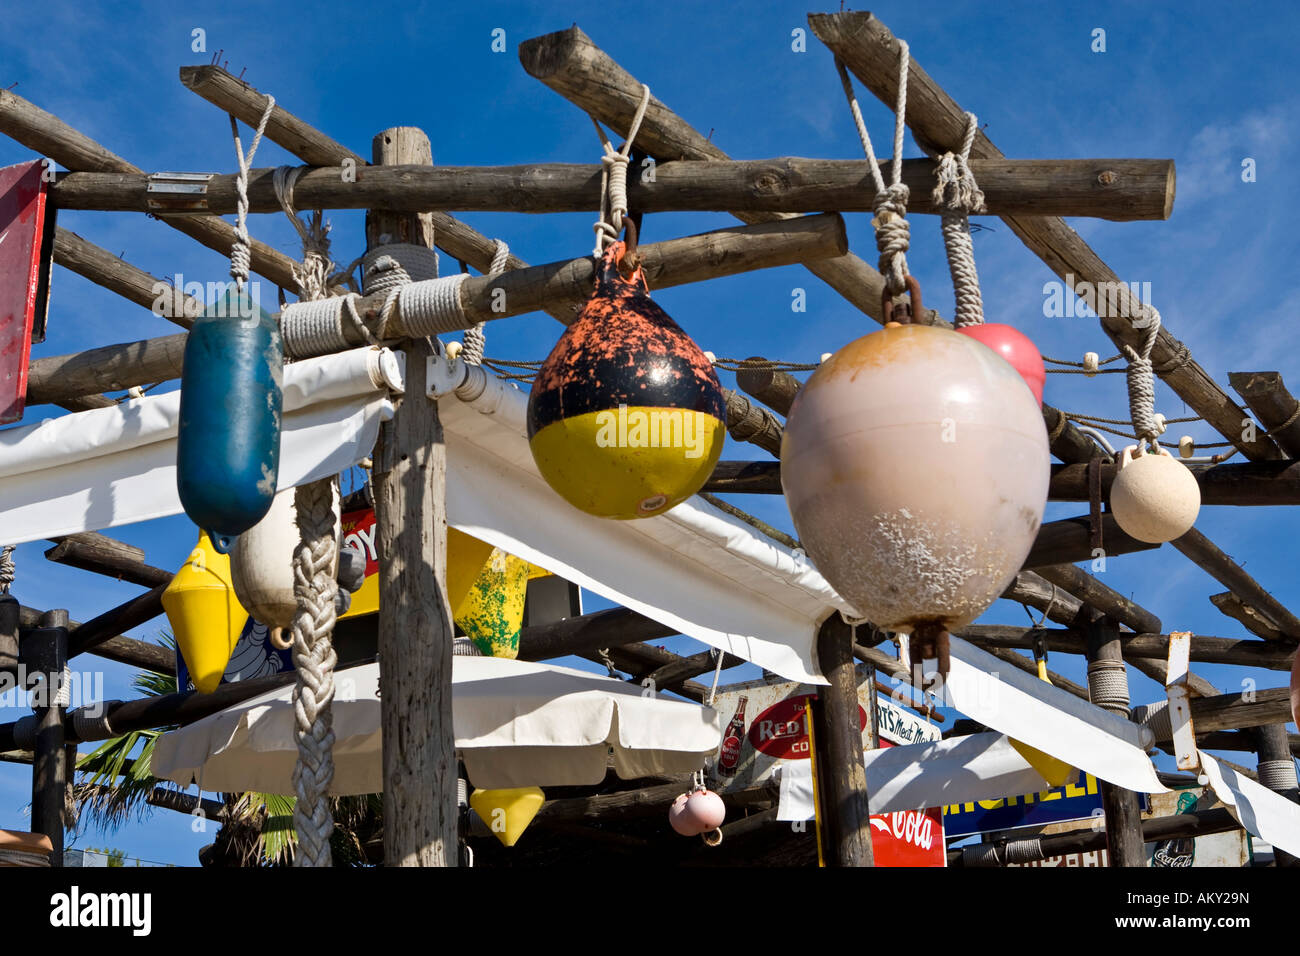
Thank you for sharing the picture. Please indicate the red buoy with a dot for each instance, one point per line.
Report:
(1016, 348)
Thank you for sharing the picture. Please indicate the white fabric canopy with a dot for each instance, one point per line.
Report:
(917, 776)
(695, 568)
(1268, 815)
(517, 724)
(112, 466)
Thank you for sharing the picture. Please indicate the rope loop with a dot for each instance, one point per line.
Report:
(241, 252)
(1141, 380)
(613, 178)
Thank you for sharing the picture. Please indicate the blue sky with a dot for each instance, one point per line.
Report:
(1221, 269)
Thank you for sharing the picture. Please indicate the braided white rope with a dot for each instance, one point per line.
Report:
(893, 234)
(314, 658)
(1141, 381)
(1277, 774)
(6, 568)
(958, 195)
(241, 251)
(613, 178)
(475, 340)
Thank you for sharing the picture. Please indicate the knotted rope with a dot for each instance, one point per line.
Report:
(958, 195)
(1141, 381)
(893, 234)
(6, 568)
(475, 340)
(613, 178)
(241, 251)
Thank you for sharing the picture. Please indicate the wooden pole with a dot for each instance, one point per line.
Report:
(559, 288)
(125, 650)
(1273, 746)
(1139, 188)
(49, 136)
(775, 389)
(103, 555)
(1070, 540)
(415, 630)
(1266, 395)
(1231, 483)
(870, 51)
(842, 776)
(1110, 602)
(46, 652)
(117, 275)
(1206, 555)
(9, 623)
(1105, 676)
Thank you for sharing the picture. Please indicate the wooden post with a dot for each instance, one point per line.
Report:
(1273, 746)
(46, 651)
(415, 632)
(9, 611)
(1123, 813)
(1209, 558)
(841, 773)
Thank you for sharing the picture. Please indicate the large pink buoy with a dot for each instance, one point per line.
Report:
(1016, 348)
(915, 465)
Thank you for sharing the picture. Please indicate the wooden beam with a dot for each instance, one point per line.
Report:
(1251, 618)
(673, 674)
(1232, 483)
(1023, 663)
(1068, 540)
(1206, 555)
(1275, 407)
(1104, 598)
(870, 51)
(775, 389)
(103, 555)
(558, 286)
(117, 275)
(642, 660)
(745, 477)
(1140, 188)
(124, 650)
(1121, 807)
(588, 633)
(415, 628)
(573, 66)
(1235, 711)
(1065, 441)
(640, 802)
(132, 613)
(46, 652)
(48, 135)
(10, 611)
(1070, 640)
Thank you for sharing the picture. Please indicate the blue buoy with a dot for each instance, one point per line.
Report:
(228, 446)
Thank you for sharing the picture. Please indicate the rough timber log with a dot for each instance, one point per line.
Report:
(1207, 556)
(1267, 396)
(117, 275)
(1139, 188)
(103, 555)
(1104, 598)
(49, 136)
(841, 776)
(559, 286)
(415, 628)
(775, 389)
(1069, 640)
(1229, 483)
(870, 51)
(1250, 617)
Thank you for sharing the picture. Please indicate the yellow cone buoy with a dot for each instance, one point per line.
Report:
(204, 613)
(508, 812)
(493, 610)
(1056, 772)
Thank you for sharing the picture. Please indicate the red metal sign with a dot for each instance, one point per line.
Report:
(779, 731)
(908, 837)
(26, 241)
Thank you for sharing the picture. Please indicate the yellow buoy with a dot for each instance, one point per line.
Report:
(493, 610)
(1056, 772)
(508, 812)
(204, 613)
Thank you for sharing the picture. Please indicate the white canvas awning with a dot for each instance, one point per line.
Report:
(112, 466)
(517, 724)
(1268, 815)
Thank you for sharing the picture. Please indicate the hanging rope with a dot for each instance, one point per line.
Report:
(6, 568)
(241, 251)
(892, 231)
(613, 178)
(958, 195)
(475, 340)
(1141, 382)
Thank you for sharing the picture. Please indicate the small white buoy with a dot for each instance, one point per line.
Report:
(825, 356)
(713, 359)
(1090, 363)
(1154, 497)
(453, 349)
(1186, 447)
(1160, 423)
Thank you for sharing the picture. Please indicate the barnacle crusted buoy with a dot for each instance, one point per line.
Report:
(626, 417)
(1154, 497)
(915, 465)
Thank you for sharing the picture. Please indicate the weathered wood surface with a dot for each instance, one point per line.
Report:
(1121, 807)
(841, 774)
(1119, 189)
(573, 66)
(641, 660)
(1110, 602)
(751, 422)
(870, 51)
(103, 555)
(745, 477)
(124, 650)
(1070, 640)
(113, 622)
(1209, 558)
(1276, 408)
(775, 389)
(117, 275)
(49, 136)
(1250, 617)
(1253, 709)
(1256, 483)
(1068, 540)
(588, 633)
(415, 629)
(559, 288)
(1021, 662)
(45, 651)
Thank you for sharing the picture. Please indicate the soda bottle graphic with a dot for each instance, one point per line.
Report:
(729, 755)
(1177, 852)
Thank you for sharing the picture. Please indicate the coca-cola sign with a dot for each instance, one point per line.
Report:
(908, 837)
(780, 730)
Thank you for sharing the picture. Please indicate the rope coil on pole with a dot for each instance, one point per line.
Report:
(958, 194)
(1141, 380)
(613, 178)
(6, 568)
(475, 340)
(893, 234)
